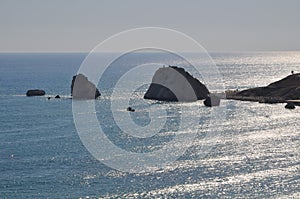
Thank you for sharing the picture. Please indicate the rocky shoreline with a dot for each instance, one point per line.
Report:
(286, 90)
(260, 99)
(234, 95)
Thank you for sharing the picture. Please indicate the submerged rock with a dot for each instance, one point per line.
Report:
(130, 109)
(82, 88)
(175, 84)
(35, 92)
(212, 100)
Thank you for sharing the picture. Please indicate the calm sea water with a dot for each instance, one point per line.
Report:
(255, 153)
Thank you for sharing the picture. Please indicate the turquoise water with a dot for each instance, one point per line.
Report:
(254, 155)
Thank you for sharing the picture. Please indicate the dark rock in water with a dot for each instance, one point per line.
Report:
(57, 97)
(49, 98)
(175, 84)
(130, 109)
(290, 105)
(35, 92)
(212, 101)
(82, 88)
(287, 88)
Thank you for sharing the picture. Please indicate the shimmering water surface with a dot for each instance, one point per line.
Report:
(253, 148)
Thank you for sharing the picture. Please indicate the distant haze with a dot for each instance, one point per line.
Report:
(78, 26)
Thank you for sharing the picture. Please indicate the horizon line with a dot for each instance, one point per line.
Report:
(82, 52)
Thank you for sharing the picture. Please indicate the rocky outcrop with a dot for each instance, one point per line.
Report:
(287, 88)
(130, 109)
(82, 88)
(175, 84)
(35, 92)
(212, 100)
(290, 105)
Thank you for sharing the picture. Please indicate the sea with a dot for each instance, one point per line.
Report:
(238, 150)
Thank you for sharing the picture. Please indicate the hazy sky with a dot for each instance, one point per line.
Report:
(78, 26)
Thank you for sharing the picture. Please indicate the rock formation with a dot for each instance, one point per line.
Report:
(35, 92)
(287, 88)
(290, 105)
(175, 84)
(130, 109)
(82, 88)
(212, 100)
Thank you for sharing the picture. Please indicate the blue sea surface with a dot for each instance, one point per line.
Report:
(255, 153)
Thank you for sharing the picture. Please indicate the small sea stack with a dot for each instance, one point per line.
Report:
(82, 88)
(290, 105)
(35, 92)
(212, 100)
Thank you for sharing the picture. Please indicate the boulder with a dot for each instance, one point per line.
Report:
(82, 88)
(57, 97)
(290, 105)
(212, 101)
(35, 92)
(175, 84)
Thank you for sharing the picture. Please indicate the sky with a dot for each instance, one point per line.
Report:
(80, 25)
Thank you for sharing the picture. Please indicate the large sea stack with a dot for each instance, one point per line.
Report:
(175, 84)
(82, 88)
(287, 88)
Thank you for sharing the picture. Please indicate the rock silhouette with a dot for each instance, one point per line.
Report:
(290, 105)
(82, 88)
(175, 84)
(287, 88)
(35, 92)
(212, 101)
(130, 109)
